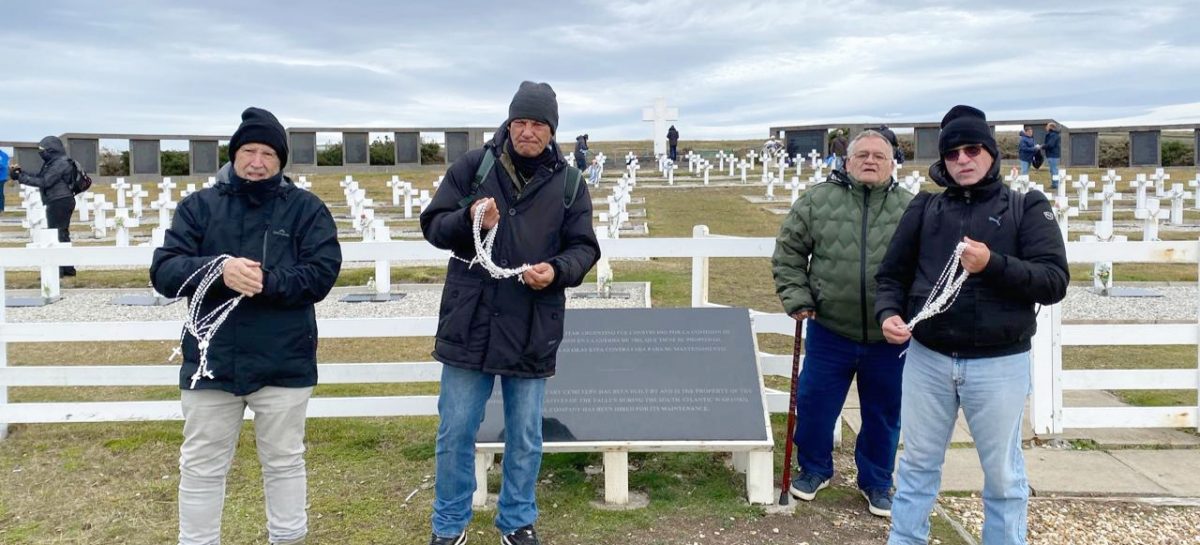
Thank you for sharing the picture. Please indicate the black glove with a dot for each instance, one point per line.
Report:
(14, 172)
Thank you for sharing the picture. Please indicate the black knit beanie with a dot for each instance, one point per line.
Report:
(965, 125)
(535, 101)
(260, 127)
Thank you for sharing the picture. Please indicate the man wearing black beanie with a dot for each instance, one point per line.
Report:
(974, 354)
(285, 259)
(501, 317)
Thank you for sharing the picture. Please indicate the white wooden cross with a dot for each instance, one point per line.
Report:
(633, 170)
(212, 180)
(770, 186)
(782, 167)
(438, 182)
(1195, 185)
(742, 165)
(1062, 211)
(424, 199)
(397, 186)
(671, 166)
(409, 193)
(119, 188)
(721, 161)
(138, 194)
(1060, 183)
(47, 238)
(164, 208)
(122, 222)
(1022, 183)
(692, 161)
(796, 186)
(1160, 177)
(83, 203)
(597, 163)
(166, 186)
(35, 212)
(1152, 213)
(1107, 197)
(660, 114)
(1083, 185)
(814, 158)
(1011, 179)
(752, 155)
(345, 183)
(705, 166)
(1177, 196)
(191, 188)
(100, 226)
(1141, 184)
(363, 222)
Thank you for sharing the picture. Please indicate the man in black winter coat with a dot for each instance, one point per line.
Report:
(673, 141)
(974, 354)
(284, 258)
(497, 318)
(53, 181)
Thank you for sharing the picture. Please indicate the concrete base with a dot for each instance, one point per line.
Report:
(142, 300)
(371, 297)
(30, 302)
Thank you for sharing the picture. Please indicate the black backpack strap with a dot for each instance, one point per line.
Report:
(481, 173)
(1016, 205)
(571, 186)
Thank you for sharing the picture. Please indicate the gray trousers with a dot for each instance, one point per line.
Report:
(212, 423)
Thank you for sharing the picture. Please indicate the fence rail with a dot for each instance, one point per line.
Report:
(1047, 414)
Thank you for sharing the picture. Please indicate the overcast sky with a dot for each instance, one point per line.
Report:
(732, 68)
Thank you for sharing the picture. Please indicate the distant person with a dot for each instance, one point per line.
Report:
(1052, 146)
(673, 140)
(284, 259)
(581, 149)
(1026, 149)
(824, 265)
(3, 176)
(974, 355)
(53, 181)
(838, 148)
(500, 321)
(897, 153)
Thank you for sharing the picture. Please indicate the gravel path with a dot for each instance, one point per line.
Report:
(419, 300)
(1084, 522)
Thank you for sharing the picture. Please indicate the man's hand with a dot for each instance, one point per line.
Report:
(14, 172)
(539, 276)
(803, 314)
(243, 276)
(976, 255)
(491, 217)
(895, 330)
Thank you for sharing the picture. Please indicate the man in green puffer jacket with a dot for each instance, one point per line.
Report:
(826, 256)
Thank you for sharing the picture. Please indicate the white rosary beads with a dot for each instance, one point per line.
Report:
(483, 249)
(946, 290)
(203, 328)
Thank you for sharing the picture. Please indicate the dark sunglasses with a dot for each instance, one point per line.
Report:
(972, 151)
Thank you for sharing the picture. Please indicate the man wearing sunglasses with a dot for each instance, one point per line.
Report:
(975, 354)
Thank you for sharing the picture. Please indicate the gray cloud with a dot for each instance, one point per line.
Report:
(732, 68)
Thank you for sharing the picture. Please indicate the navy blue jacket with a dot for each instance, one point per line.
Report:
(269, 339)
(994, 313)
(502, 326)
(1026, 148)
(53, 180)
(1053, 146)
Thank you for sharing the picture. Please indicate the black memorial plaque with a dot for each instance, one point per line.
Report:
(925, 140)
(649, 375)
(1085, 149)
(803, 142)
(356, 148)
(303, 148)
(457, 145)
(1144, 148)
(408, 148)
(144, 157)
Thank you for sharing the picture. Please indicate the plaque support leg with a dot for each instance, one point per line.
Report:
(483, 460)
(740, 460)
(760, 472)
(837, 429)
(616, 477)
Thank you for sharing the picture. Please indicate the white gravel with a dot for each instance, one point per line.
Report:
(1082, 522)
(419, 300)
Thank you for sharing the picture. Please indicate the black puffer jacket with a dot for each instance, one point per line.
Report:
(994, 313)
(269, 339)
(502, 326)
(53, 180)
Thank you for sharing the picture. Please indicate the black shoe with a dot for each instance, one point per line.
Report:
(806, 485)
(523, 536)
(455, 540)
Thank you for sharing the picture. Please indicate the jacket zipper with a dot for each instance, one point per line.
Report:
(862, 277)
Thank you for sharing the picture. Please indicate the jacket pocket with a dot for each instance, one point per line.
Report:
(460, 296)
(545, 328)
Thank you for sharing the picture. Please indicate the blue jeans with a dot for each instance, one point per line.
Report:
(830, 363)
(1053, 163)
(1024, 167)
(991, 393)
(461, 404)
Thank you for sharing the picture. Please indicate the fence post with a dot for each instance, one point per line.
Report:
(3, 354)
(1041, 406)
(699, 271)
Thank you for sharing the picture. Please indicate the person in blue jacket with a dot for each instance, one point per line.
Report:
(1026, 148)
(3, 176)
(1052, 147)
(285, 259)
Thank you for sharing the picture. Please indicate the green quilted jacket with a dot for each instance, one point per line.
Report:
(829, 249)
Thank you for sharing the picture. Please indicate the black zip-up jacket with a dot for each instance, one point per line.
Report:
(994, 313)
(502, 326)
(53, 180)
(270, 339)
(1052, 146)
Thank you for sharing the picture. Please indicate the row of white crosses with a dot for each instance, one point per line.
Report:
(618, 204)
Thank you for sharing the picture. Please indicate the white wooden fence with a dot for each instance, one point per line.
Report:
(1048, 413)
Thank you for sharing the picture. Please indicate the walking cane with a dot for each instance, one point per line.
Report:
(791, 419)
